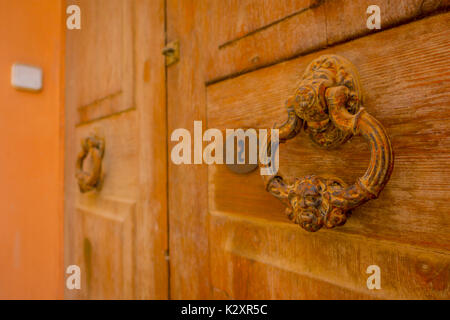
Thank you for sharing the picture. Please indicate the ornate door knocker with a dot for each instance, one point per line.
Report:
(95, 146)
(328, 106)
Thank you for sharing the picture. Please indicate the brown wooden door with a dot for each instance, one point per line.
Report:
(117, 233)
(155, 229)
(239, 61)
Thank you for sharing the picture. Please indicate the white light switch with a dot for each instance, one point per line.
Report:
(26, 77)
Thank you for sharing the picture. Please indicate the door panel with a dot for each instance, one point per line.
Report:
(254, 257)
(105, 219)
(270, 42)
(250, 35)
(226, 224)
(405, 89)
(117, 233)
(103, 49)
(248, 16)
(105, 232)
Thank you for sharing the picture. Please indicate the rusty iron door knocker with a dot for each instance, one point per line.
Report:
(328, 106)
(95, 146)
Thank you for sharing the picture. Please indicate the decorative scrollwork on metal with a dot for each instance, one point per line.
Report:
(95, 146)
(328, 105)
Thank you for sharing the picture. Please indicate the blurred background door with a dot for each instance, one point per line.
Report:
(117, 233)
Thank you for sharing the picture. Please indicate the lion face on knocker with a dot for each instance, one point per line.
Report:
(311, 203)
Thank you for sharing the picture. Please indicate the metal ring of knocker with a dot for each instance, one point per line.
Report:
(327, 104)
(95, 146)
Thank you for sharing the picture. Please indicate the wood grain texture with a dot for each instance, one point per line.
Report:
(106, 232)
(245, 17)
(118, 235)
(266, 45)
(188, 218)
(406, 81)
(103, 49)
(318, 25)
(347, 19)
(406, 87)
(262, 259)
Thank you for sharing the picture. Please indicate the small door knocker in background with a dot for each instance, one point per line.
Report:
(92, 147)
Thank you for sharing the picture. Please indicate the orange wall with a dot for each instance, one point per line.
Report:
(31, 152)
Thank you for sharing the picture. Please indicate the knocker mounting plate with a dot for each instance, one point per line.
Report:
(309, 99)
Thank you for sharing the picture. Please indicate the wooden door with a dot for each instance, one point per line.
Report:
(239, 61)
(117, 233)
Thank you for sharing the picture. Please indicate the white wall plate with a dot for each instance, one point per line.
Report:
(26, 77)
